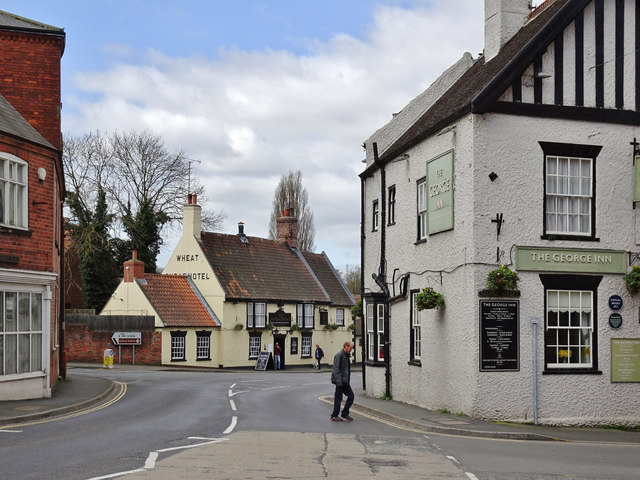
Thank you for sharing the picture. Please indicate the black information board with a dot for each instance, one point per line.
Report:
(499, 339)
(263, 360)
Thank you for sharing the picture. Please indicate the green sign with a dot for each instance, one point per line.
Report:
(440, 193)
(625, 359)
(571, 260)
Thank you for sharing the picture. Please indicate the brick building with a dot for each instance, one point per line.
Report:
(31, 195)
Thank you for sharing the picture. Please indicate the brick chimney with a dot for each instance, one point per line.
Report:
(502, 20)
(192, 217)
(133, 268)
(288, 227)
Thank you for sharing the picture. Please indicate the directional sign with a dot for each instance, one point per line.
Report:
(127, 338)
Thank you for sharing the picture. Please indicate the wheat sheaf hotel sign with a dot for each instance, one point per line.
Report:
(570, 260)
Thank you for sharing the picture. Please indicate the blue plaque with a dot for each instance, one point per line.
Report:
(615, 302)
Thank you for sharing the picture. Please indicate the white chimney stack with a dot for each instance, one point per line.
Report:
(502, 20)
(192, 217)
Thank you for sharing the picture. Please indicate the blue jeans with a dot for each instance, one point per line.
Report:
(337, 400)
(276, 362)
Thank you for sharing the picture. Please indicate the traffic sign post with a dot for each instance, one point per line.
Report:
(127, 338)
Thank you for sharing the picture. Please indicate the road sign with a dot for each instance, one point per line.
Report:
(127, 338)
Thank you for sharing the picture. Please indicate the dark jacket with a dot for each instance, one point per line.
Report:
(319, 353)
(341, 373)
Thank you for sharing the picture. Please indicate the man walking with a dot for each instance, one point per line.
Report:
(341, 378)
(319, 355)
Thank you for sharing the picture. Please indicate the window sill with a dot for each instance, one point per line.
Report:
(203, 359)
(15, 231)
(370, 363)
(178, 359)
(415, 363)
(569, 237)
(571, 371)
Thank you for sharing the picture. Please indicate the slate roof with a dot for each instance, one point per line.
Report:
(262, 270)
(12, 123)
(329, 278)
(177, 301)
(483, 82)
(16, 22)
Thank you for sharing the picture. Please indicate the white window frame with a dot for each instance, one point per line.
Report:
(26, 332)
(380, 331)
(305, 314)
(421, 208)
(14, 191)
(568, 195)
(375, 216)
(569, 327)
(254, 345)
(340, 317)
(305, 347)
(391, 209)
(178, 347)
(203, 346)
(370, 331)
(416, 329)
(256, 314)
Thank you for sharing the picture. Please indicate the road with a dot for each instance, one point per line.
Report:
(172, 424)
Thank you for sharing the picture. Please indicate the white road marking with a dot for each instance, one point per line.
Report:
(119, 474)
(10, 431)
(471, 476)
(233, 405)
(151, 460)
(453, 459)
(231, 394)
(184, 447)
(231, 387)
(234, 421)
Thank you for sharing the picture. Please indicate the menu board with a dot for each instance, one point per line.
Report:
(499, 339)
(625, 360)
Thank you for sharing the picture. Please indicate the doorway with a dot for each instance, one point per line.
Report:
(280, 340)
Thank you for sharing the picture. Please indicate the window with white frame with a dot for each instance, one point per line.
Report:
(375, 216)
(13, 191)
(340, 317)
(416, 330)
(305, 349)
(178, 345)
(256, 314)
(380, 330)
(569, 203)
(370, 331)
(203, 345)
(391, 210)
(254, 345)
(569, 329)
(20, 332)
(422, 209)
(304, 314)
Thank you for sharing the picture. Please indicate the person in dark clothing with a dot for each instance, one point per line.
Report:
(341, 378)
(319, 355)
(277, 351)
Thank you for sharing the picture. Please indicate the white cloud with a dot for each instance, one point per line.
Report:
(252, 116)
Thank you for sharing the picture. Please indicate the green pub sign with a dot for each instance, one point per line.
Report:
(440, 193)
(580, 260)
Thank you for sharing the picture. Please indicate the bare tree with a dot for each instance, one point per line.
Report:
(351, 278)
(290, 193)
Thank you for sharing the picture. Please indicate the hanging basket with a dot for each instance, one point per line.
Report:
(429, 299)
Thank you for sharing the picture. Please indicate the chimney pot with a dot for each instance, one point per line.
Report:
(195, 199)
(189, 197)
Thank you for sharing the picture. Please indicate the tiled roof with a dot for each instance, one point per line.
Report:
(329, 278)
(478, 85)
(177, 301)
(12, 123)
(260, 269)
(16, 22)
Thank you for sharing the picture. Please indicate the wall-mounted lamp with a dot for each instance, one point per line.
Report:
(42, 174)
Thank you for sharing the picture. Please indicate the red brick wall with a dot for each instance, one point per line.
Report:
(81, 345)
(30, 65)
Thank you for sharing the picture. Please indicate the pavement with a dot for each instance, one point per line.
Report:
(78, 392)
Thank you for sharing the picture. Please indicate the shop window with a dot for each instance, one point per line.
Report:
(374, 326)
(13, 191)
(254, 344)
(178, 346)
(256, 314)
(569, 184)
(203, 345)
(20, 332)
(570, 338)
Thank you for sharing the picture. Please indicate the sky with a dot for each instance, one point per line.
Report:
(254, 89)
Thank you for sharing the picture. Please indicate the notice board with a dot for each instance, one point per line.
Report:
(499, 337)
(625, 360)
(263, 360)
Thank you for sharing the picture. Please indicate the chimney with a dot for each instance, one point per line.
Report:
(287, 228)
(192, 217)
(133, 268)
(502, 20)
(241, 235)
